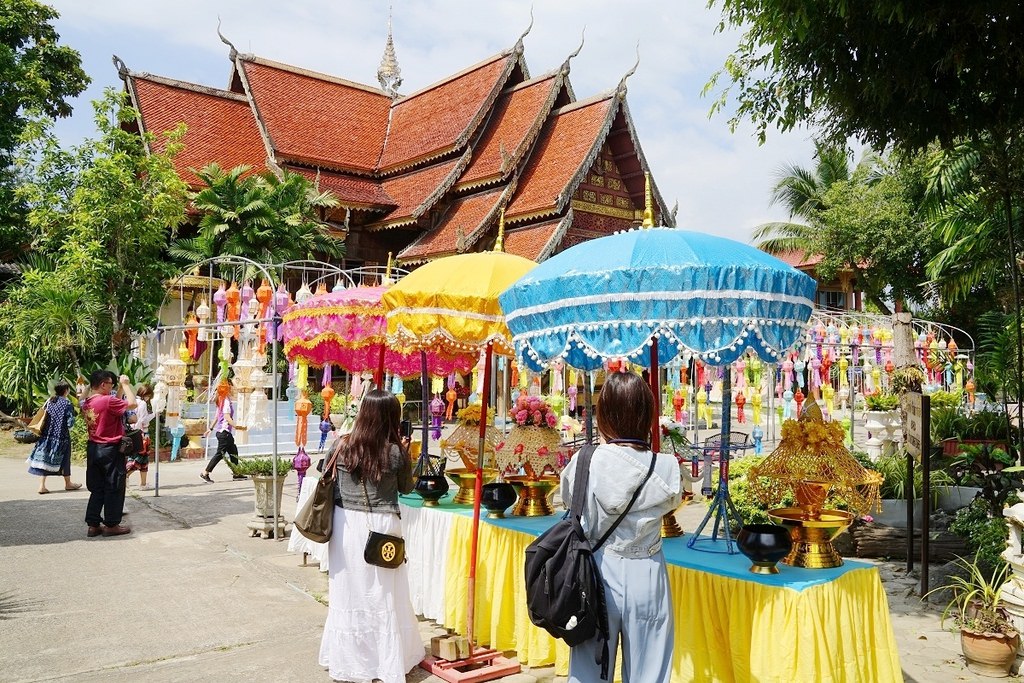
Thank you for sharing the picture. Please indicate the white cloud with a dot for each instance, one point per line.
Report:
(722, 180)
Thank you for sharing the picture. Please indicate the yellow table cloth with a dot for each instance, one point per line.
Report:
(827, 626)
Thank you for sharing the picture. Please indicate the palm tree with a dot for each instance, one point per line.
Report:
(971, 193)
(265, 218)
(802, 192)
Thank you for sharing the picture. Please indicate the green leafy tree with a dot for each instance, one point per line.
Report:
(266, 218)
(886, 72)
(37, 74)
(878, 230)
(801, 191)
(101, 215)
(892, 73)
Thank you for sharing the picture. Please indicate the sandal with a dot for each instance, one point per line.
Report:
(43, 491)
(73, 487)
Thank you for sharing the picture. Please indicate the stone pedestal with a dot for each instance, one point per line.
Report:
(875, 422)
(263, 523)
(1012, 592)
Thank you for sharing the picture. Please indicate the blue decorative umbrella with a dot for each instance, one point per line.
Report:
(611, 297)
(655, 293)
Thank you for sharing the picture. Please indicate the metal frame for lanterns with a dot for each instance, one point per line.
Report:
(246, 266)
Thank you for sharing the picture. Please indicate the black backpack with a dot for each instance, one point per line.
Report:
(564, 590)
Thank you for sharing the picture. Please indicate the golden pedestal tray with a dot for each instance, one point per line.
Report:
(811, 527)
(812, 538)
(670, 527)
(533, 494)
(465, 479)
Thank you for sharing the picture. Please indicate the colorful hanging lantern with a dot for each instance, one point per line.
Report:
(436, 415)
(303, 407)
(203, 314)
(301, 463)
(220, 300)
(327, 394)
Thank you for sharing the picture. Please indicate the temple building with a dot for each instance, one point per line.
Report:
(424, 174)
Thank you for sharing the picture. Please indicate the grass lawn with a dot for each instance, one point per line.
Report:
(9, 448)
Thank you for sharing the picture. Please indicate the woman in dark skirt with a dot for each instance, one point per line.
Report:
(51, 456)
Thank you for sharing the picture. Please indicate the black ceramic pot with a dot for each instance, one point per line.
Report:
(497, 497)
(764, 545)
(431, 488)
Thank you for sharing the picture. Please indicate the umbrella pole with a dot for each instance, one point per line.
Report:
(424, 462)
(721, 507)
(478, 488)
(588, 400)
(656, 423)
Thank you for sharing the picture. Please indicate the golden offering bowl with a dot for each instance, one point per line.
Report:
(812, 538)
(533, 494)
(466, 481)
(670, 527)
(810, 496)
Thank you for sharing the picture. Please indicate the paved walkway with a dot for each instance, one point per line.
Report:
(189, 595)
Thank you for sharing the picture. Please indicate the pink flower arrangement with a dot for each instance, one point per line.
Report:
(533, 411)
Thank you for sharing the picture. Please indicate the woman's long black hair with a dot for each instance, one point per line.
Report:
(378, 425)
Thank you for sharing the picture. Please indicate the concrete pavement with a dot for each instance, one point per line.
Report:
(189, 595)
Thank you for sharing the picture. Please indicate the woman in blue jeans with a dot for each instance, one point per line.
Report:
(631, 562)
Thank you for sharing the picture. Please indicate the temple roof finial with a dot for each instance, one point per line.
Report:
(387, 273)
(583, 38)
(622, 83)
(499, 244)
(389, 74)
(528, 28)
(648, 203)
(122, 68)
(234, 52)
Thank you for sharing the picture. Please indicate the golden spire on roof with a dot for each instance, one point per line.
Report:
(389, 74)
(648, 203)
(499, 244)
(387, 272)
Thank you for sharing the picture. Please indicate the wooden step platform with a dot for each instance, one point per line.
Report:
(484, 664)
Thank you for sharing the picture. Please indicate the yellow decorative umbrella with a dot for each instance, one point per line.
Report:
(450, 306)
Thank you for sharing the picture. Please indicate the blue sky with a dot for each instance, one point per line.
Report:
(721, 180)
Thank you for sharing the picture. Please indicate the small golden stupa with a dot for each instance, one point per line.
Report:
(812, 463)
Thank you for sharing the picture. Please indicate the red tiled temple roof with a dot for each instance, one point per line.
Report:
(536, 241)
(220, 124)
(468, 216)
(517, 114)
(441, 117)
(349, 189)
(416, 192)
(318, 119)
(567, 141)
(799, 259)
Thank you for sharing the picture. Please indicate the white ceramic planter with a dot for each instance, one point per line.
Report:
(952, 498)
(894, 513)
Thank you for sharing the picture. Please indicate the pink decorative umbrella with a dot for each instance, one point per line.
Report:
(347, 328)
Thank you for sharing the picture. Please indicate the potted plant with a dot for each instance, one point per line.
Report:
(991, 470)
(893, 491)
(261, 472)
(881, 418)
(987, 638)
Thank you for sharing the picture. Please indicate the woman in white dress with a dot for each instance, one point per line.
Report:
(371, 631)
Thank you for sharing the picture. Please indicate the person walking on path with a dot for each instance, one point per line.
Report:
(631, 561)
(51, 456)
(224, 428)
(140, 420)
(371, 632)
(105, 470)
